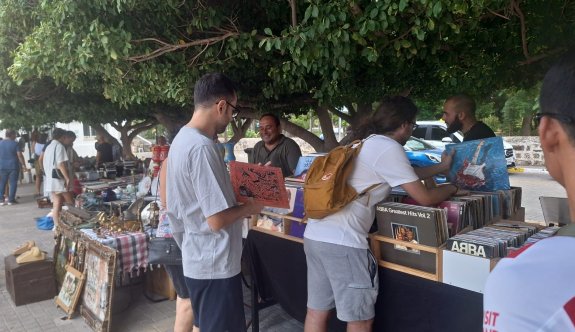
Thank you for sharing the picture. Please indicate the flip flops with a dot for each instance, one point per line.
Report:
(32, 255)
(23, 248)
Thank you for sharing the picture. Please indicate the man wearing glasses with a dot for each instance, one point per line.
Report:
(459, 114)
(534, 289)
(275, 149)
(203, 213)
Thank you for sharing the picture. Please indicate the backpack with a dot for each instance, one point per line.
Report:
(326, 190)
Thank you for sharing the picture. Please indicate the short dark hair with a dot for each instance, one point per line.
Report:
(10, 133)
(275, 117)
(463, 102)
(42, 138)
(390, 115)
(558, 91)
(212, 87)
(70, 134)
(57, 133)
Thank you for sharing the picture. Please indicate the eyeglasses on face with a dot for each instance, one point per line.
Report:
(235, 109)
(562, 118)
(414, 125)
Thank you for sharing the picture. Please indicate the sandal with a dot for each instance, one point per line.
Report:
(32, 255)
(23, 247)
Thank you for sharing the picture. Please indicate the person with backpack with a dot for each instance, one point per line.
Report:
(342, 271)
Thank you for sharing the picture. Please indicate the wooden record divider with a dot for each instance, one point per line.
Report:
(376, 239)
(287, 220)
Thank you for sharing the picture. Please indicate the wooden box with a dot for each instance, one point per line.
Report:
(376, 241)
(158, 282)
(29, 282)
(43, 203)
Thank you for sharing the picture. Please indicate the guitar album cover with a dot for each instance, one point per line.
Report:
(479, 165)
(264, 184)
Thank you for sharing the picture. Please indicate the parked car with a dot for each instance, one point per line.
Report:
(435, 132)
(421, 153)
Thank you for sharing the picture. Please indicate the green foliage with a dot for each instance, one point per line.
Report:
(251, 134)
(104, 60)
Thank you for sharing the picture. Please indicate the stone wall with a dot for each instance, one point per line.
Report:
(527, 149)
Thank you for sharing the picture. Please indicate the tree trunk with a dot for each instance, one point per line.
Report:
(172, 120)
(526, 125)
(326, 125)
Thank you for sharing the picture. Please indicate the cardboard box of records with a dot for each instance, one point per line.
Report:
(471, 255)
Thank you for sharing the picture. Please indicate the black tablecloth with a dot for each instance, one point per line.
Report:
(405, 302)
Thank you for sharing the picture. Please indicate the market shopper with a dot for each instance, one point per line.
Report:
(104, 151)
(533, 289)
(184, 314)
(38, 148)
(11, 161)
(56, 157)
(342, 271)
(205, 218)
(459, 114)
(275, 149)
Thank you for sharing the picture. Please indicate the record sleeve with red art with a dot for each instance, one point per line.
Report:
(264, 184)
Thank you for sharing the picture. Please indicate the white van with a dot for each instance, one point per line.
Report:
(435, 132)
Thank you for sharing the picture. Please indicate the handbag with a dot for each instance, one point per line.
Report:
(164, 250)
(57, 173)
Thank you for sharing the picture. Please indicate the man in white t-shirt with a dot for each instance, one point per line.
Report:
(56, 157)
(534, 289)
(342, 271)
(202, 210)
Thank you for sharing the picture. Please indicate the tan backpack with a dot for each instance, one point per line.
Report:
(326, 190)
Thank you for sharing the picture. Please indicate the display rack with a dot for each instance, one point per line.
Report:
(376, 240)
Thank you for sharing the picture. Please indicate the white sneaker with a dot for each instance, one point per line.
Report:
(2, 203)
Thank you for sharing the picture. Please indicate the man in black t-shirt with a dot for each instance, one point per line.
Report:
(104, 152)
(459, 114)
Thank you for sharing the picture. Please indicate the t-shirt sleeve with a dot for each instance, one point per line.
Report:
(294, 152)
(209, 175)
(394, 167)
(61, 154)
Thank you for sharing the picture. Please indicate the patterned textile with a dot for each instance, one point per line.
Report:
(132, 249)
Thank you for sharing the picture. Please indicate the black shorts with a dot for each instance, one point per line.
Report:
(218, 304)
(176, 273)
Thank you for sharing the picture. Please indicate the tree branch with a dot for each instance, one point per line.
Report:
(292, 4)
(515, 7)
(168, 47)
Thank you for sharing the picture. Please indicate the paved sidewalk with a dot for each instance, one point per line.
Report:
(132, 311)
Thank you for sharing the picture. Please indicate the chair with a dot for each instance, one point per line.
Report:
(555, 209)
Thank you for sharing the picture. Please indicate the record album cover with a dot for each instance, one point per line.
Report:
(479, 165)
(264, 184)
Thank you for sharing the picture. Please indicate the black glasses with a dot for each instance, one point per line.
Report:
(562, 118)
(414, 125)
(235, 109)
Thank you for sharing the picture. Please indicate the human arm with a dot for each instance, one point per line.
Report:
(442, 167)
(162, 179)
(21, 160)
(432, 196)
(232, 214)
(293, 155)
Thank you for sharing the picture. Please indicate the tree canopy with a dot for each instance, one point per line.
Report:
(141, 57)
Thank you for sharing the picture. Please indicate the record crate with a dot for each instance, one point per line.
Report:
(376, 240)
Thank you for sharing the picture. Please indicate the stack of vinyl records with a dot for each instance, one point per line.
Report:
(476, 209)
(411, 224)
(492, 241)
(543, 234)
